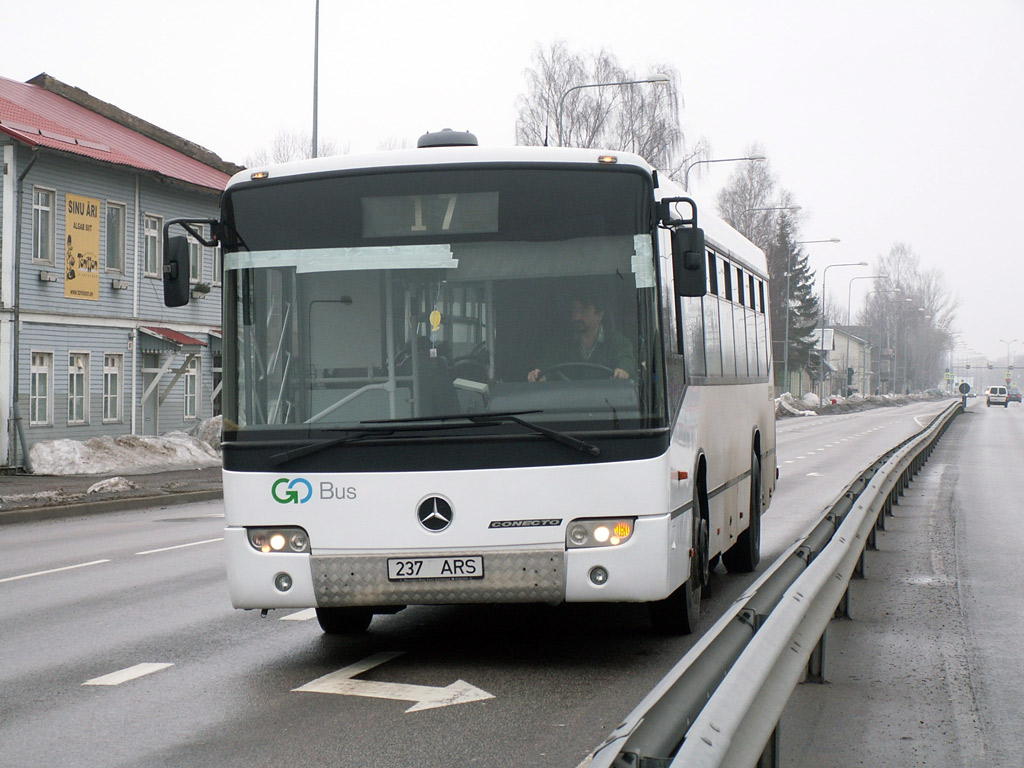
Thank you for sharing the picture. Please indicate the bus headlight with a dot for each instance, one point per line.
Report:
(279, 539)
(599, 533)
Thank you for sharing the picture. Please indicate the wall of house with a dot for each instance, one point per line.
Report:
(126, 299)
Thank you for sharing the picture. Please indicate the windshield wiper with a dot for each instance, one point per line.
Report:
(423, 423)
(558, 437)
(352, 436)
(499, 417)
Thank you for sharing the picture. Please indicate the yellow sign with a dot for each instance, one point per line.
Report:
(82, 253)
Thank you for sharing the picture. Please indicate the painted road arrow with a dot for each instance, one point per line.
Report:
(425, 696)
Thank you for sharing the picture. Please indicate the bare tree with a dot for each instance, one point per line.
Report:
(291, 145)
(753, 204)
(747, 200)
(914, 327)
(641, 118)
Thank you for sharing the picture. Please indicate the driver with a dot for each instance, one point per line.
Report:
(590, 342)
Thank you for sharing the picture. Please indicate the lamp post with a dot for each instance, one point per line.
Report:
(789, 271)
(824, 296)
(770, 208)
(316, 69)
(686, 173)
(849, 304)
(656, 78)
(880, 290)
(1009, 360)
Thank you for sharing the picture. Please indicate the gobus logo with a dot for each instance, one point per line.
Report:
(299, 491)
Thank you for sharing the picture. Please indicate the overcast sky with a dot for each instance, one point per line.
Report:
(890, 121)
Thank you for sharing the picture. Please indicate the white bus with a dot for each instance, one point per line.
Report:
(457, 374)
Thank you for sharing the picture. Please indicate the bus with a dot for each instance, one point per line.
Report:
(460, 374)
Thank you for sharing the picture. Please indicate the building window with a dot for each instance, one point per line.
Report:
(43, 232)
(112, 367)
(192, 389)
(151, 237)
(41, 389)
(78, 388)
(195, 260)
(115, 236)
(218, 262)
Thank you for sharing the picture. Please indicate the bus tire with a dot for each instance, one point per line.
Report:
(679, 613)
(745, 554)
(344, 621)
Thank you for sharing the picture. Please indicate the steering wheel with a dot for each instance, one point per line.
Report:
(561, 368)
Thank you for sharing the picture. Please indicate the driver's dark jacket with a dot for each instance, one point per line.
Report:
(612, 350)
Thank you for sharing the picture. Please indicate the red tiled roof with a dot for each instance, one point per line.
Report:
(174, 336)
(39, 117)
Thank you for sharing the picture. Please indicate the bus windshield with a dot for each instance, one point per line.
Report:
(376, 298)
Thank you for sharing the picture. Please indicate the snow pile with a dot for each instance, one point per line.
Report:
(787, 405)
(112, 485)
(130, 454)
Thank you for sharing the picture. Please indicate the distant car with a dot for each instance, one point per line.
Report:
(1013, 396)
(996, 395)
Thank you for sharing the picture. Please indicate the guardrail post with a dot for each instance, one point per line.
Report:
(770, 757)
(816, 662)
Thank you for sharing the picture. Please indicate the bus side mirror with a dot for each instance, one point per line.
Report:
(176, 271)
(689, 262)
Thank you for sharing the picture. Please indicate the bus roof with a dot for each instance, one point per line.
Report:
(719, 234)
(440, 156)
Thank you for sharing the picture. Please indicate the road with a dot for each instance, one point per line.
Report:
(927, 672)
(141, 596)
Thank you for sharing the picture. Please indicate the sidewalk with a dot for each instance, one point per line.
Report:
(42, 497)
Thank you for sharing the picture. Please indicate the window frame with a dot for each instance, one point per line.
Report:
(37, 210)
(116, 396)
(122, 256)
(34, 397)
(196, 255)
(84, 395)
(193, 384)
(147, 232)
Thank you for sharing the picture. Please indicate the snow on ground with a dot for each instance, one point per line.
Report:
(130, 454)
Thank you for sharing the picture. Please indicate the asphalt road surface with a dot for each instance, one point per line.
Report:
(927, 672)
(118, 646)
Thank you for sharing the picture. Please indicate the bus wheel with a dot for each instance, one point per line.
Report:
(344, 621)
(745, 554)
(679, 613)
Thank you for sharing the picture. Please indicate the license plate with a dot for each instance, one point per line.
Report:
(401, 568)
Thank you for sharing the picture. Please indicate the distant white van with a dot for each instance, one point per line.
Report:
(996, 395)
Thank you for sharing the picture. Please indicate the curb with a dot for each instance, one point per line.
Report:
(114, 504)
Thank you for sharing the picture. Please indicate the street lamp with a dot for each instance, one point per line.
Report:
(824, 296)
(316, 69)
(880, 290)
(789, 271)
(849, 306)
(656, 78)
(1008, 360)
(771, 208)
(686, 173)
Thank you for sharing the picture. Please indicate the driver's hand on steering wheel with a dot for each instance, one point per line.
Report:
(620, 374)
(534, 375)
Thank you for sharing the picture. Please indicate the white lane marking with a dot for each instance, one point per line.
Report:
(124, 675)
(179, 546)
(52, 570)
(425, 696)
(814, 474)
(306, 615)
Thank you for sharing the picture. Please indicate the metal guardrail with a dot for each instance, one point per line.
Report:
(721, 703)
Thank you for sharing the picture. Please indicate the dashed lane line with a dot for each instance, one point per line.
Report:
(179, 546)
(130, 673)
(52, 570)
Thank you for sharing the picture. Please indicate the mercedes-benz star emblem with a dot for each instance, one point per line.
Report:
(434, 513)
